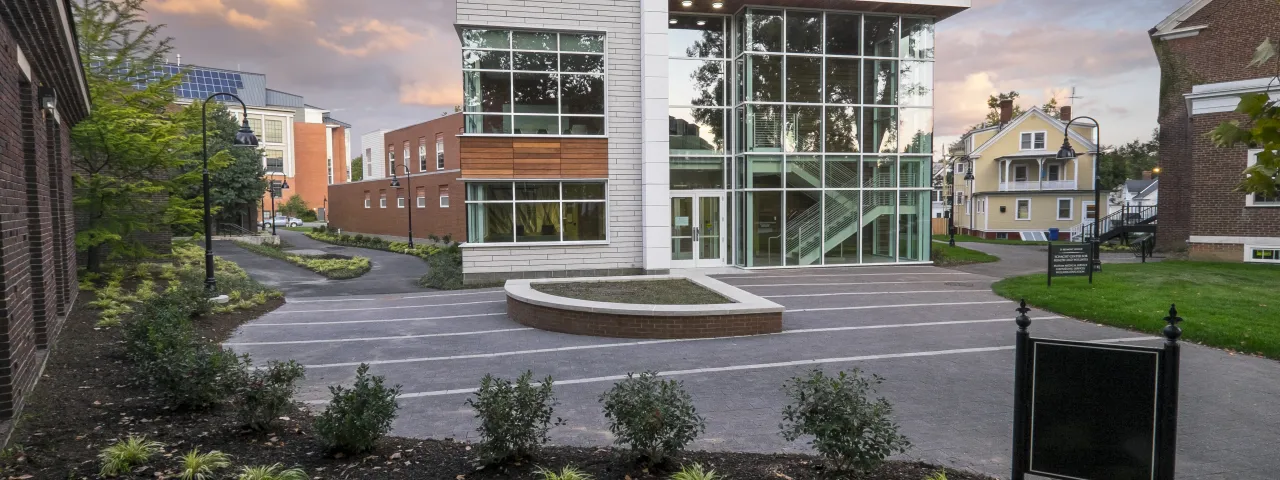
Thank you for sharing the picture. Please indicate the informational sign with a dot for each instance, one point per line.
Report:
(1093, 410)
(682, 221)
(1070, 260)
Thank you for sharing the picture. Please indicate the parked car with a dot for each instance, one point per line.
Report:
(282, 221)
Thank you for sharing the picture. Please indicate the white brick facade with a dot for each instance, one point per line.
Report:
(619, 20)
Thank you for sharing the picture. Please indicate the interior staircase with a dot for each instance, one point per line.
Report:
(804, 231)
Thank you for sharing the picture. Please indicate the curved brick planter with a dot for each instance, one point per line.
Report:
(748, 315)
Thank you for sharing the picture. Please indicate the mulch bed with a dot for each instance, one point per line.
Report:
(85, 402)
(642, 292)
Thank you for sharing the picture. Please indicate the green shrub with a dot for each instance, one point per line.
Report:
(444, 271)
(124, 456)
(849, 430)
(695, 472)
(195, 376)
(273, 472)
(200, 466)
(308, 216)
(267, 393)
(566, 473)
(160, 326)
(652, 417)
(345, 238)
(356, 418)
(514, 417)
(938, 475)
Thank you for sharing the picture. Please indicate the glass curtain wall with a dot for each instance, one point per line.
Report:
(832, 152)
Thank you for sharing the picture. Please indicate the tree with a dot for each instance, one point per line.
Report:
(1262, 131)
(993, 103)
(237, 177)
(295, 206)
(1128, 161)
(126, 153)
(357, 169)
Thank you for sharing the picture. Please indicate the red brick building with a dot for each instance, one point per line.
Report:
(432, 192)
(42, 95)
(1204, 50)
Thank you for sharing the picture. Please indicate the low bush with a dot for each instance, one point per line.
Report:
(849, 430)
(444, 271)
(695, 472)
(195, 376)
(266, 394)
(272, 472)
(200, 466)
(308, 216)
(330, 267)
(514, 417)
(653, 418)
(124, 456)
(357, 417)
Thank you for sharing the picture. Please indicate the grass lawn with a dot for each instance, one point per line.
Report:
(295, 229)
(973, 239)
(1226, 305)
(334, 267)
(947, 256)
(643, 292)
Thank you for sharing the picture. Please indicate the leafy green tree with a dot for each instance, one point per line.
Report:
(993, 103)
(295, 206)
(1262, 131)
(127, 153)
(1128, 161)
(357, 169)
(237, 176)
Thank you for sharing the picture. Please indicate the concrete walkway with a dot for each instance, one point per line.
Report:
(391, 273)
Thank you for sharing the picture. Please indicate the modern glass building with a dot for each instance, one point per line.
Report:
(798, 133)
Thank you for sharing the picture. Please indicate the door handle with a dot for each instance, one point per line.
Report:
(697, 234)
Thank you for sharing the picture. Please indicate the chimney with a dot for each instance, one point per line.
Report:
(1147, 174)
(1065, 114)
(1006, 111)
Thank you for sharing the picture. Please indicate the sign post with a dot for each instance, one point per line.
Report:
(1095, 411)
(1070, 260)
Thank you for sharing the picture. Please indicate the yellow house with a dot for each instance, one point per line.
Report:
(1020, 190)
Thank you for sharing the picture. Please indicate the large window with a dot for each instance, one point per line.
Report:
(699, 113)
(274, 131)
(1033, 140)
(439, 151)
(1253, 199)
(533, 83)
(274, 160)
(422, 154)
(533, 212)
(831, 137)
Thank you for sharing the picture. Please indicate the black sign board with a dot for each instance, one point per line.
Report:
(1095, 411)
(1070, 260)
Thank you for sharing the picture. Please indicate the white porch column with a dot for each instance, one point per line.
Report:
(1040, 175)
(656, 175)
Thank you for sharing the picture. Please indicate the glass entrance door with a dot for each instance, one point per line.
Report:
(697, 230)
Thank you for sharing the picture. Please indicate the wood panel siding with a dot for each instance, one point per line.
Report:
(523, 157)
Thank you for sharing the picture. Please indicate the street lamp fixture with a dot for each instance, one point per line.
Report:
(48, 98)
(284, 184)
(1069, 153)
(243, 138)
(395, 183)
(968, 180)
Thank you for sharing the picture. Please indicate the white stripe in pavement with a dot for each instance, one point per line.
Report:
(656, 342)
(869, 293)
(758, 366)
(384, 320)
(840, 284)
(388, 298)
(370, 339)
(872, 307)
(386, 308)
(843, 275)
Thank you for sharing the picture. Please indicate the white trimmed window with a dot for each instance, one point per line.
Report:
(382, 201)
(1253, 199)
(1065, 207)
(1054, 174)
(439, 151)
(399, 202)
(422, 154)
(367, 202)
(1022, 210)
(1033, 140)
(422, 201)
(1262, 254)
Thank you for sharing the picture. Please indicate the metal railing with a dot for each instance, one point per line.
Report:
(807, 248)
(1125, 217)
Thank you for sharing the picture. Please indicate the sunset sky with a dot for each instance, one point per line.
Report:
(391, 63)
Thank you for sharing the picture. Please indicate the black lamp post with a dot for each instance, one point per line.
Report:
(244, 138)
(951, 209)
(968, 180)
(395, 183)
(1068, 153)
(284, 185)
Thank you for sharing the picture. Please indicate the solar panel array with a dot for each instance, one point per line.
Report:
(199, 83)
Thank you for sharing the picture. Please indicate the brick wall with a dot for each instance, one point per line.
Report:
(310, 171)
(641, 326)
(37, 237)
(1198, 178)
(347, 211)
(620, 19)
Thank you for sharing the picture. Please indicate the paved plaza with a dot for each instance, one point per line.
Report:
(940, 338)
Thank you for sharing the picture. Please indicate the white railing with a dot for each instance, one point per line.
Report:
(1033, 186)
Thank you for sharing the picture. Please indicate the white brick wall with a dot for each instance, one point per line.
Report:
(620, 21)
